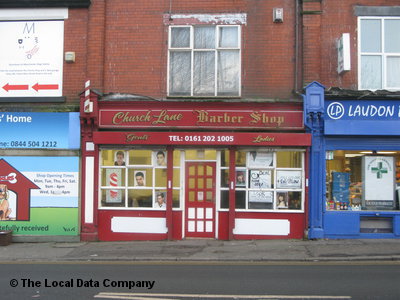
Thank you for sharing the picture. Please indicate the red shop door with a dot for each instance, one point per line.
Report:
(200, 199)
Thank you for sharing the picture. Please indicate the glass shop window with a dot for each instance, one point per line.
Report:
(137, 178)
(201, 154)
(362, 180)
(265, 180)
(177, 179)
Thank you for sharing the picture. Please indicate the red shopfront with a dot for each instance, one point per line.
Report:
(154, 170)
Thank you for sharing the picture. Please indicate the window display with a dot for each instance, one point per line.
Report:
(137, 178)
(270, 180)
(264, 180)
(362, 180)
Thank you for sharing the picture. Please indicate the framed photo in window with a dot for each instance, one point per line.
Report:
(160, 158)
(140, 178)
(119, 158)
(161, 200)
(241, 178)
(282, 200)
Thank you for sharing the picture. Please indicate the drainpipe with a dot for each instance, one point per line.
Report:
(296, 54)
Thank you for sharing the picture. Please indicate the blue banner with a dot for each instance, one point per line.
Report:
(362, 117)
(35, 130)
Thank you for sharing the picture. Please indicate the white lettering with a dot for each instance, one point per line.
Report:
(11, 178)
(21, 119)
(371, 111)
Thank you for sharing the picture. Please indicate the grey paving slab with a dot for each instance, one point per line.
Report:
(205, 250)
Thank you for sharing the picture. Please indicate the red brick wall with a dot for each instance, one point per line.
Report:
(311, 37)
(95, 44)
(268, 50)
(121, 46)
(129, 55)
(320, 35)
(75, 39)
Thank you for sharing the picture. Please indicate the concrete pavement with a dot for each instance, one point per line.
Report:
(199, 250)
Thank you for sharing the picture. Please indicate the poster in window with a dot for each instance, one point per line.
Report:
(160, 158)
(282, 200)
(140, 178)
(378, 182)
(241, 178)
(257, 159)
(261, 196)
(114, 177)
(260, 179)
(161, 200)
(288, 179)
(119, 158)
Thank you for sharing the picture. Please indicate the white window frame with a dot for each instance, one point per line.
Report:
(382, 54)
(273, 189)
(125, 188)
(216, 49)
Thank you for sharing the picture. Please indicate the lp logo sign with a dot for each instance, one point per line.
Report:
(335, 110)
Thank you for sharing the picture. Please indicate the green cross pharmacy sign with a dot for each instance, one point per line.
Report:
(379, 170)
(378, 182)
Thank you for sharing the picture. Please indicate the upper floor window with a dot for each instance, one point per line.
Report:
(204, 61)
(379, 53)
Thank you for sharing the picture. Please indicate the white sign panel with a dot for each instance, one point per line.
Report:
(31, 58)
(343, 52)
(288, 179)
(54, 184)
(260, 159)
(378, 181)
(260, 179)
(261, 196)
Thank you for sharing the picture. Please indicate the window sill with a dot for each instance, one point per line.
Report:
(204, 99)
(376, 213)
(285, 211)
(138, 208)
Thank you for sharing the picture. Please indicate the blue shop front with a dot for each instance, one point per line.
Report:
(354, 181)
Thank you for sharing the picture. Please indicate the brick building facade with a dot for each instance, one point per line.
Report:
(207, 84)
(43, 66)
(352, 50)
(169, 70)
